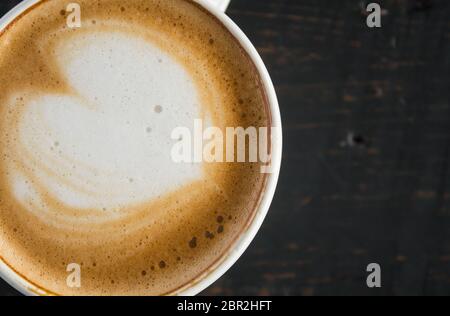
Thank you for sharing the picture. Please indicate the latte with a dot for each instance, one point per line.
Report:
(86, 116)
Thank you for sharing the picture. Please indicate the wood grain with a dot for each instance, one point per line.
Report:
(366, 173)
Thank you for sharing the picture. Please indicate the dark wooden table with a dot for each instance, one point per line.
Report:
(366, 174)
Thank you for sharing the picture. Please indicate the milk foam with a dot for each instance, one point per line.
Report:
(105, 147)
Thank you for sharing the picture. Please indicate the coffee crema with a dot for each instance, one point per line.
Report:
(85, 170)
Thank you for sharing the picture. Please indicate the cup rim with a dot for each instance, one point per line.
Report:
(239, 246)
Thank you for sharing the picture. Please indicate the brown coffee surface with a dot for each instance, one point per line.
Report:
(153, 248)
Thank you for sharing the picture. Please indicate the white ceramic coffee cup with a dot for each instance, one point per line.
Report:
(217, 8)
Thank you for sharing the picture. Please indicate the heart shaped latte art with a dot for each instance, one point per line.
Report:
(105, 146)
